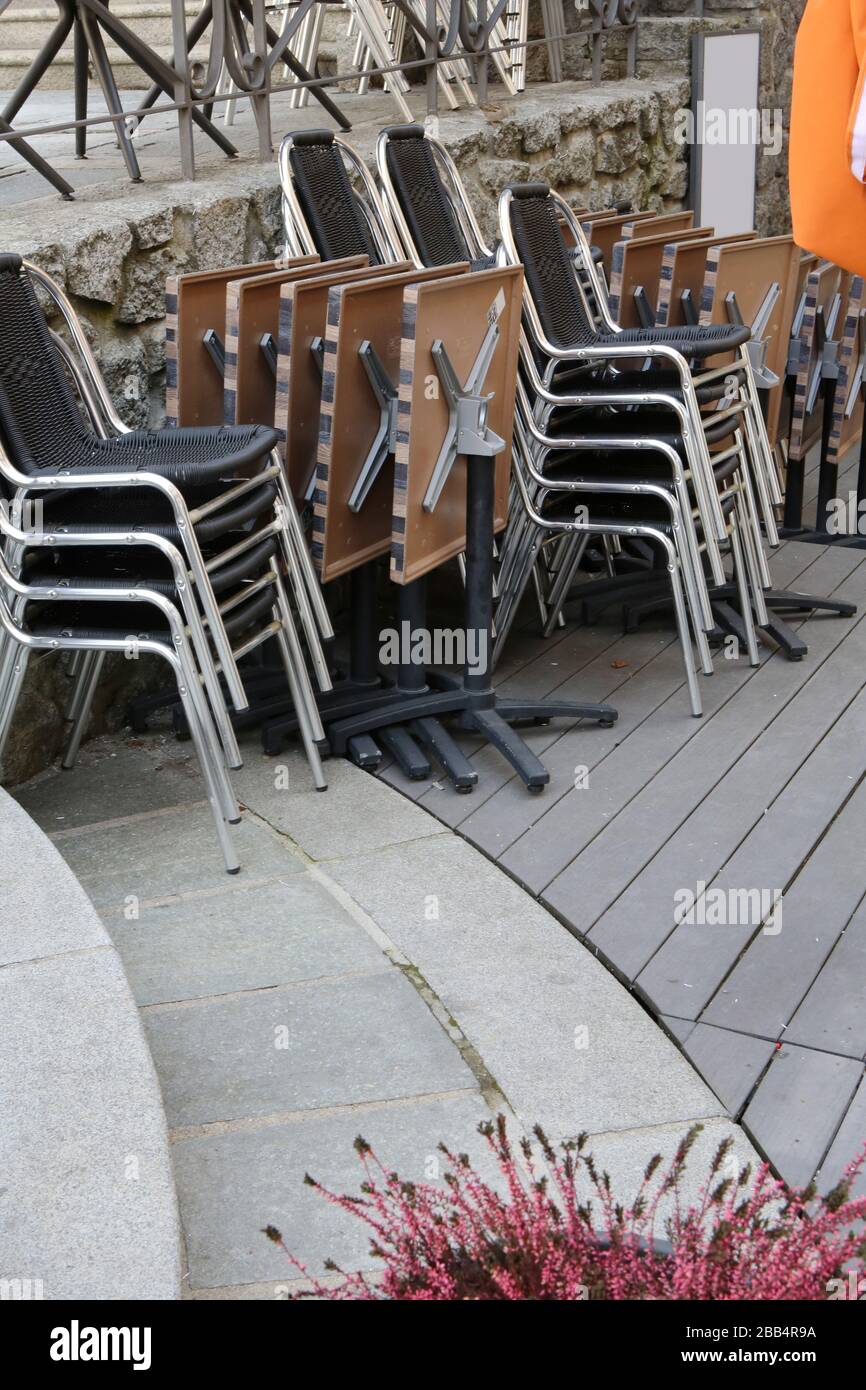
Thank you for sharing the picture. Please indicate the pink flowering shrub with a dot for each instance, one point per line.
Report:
(532, 1237)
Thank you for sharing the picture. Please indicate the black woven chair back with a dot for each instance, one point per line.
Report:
(426, 206)
(548, 268)
(330, 205)
(40, 422)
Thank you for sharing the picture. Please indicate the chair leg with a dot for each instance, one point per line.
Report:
(79, 675)
(195, 697)
(314, 757)
(305, 564)
(301, 591)
(740, 575)
(683, 630)
(309, 723)
(87, 683)
(11, 695)
(204, 754)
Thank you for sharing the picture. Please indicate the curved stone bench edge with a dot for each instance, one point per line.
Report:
(89, 1207)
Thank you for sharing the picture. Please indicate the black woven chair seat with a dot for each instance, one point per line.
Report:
(606, 508)
(74, 568)
(647, 424)
(94, 512)
(557, 298)
(692, 340)
(625, 466)
(99, 622)
(44, 432)
(582, 381)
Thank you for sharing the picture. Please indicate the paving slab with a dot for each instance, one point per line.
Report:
(114, 777)
(88, 1203)
(240, 939)
(355, 815)
(329, 1042)
(797, 1109)
(232, 1185)
(168, 854)
(565, 1043)
(625, 1156)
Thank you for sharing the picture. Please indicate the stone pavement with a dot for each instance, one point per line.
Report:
(367, 972)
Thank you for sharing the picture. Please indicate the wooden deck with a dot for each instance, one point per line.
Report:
(765, 792)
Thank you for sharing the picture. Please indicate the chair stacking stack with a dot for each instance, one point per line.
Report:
(175, 542)
(665, 416)
(394, 386)
(382, 340)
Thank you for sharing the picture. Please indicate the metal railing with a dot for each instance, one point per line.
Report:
(247, 55)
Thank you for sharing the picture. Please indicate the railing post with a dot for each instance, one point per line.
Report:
(260, 99)
(182, 88)
(431, 53)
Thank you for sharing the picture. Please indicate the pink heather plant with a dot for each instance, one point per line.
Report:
(534, 1239)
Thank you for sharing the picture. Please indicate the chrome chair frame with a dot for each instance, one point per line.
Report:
(299, 240)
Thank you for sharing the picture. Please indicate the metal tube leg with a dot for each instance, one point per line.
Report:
(305, 563)
(753, 555)
(7, 664)
(682, 625)
(11, 694)
(197, 735)
(87, 683)
(564, 581)
(302, 698)
(743, 591)
(80, 678)
(311, 749)
(218, 774)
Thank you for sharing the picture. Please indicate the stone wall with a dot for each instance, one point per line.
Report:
(664, 49)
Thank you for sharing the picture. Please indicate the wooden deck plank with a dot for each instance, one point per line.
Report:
(833, 1014)
(730, 1063)
(767, 984)
(591, 882)
(848, 1141)
(644, 913)
(497, 822)
(797, 1108)
(685, 973)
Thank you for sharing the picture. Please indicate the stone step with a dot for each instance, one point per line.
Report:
(28, 26)
(24, 29)
(663, 47)
(15, 57)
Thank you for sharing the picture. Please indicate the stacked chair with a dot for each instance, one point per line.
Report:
(660, 471)
(174, 542)
(640, 444)
(332, 207)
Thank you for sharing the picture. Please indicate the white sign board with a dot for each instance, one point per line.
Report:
(725, 130)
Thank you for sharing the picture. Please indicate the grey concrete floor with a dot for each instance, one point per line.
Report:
(367, 972)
